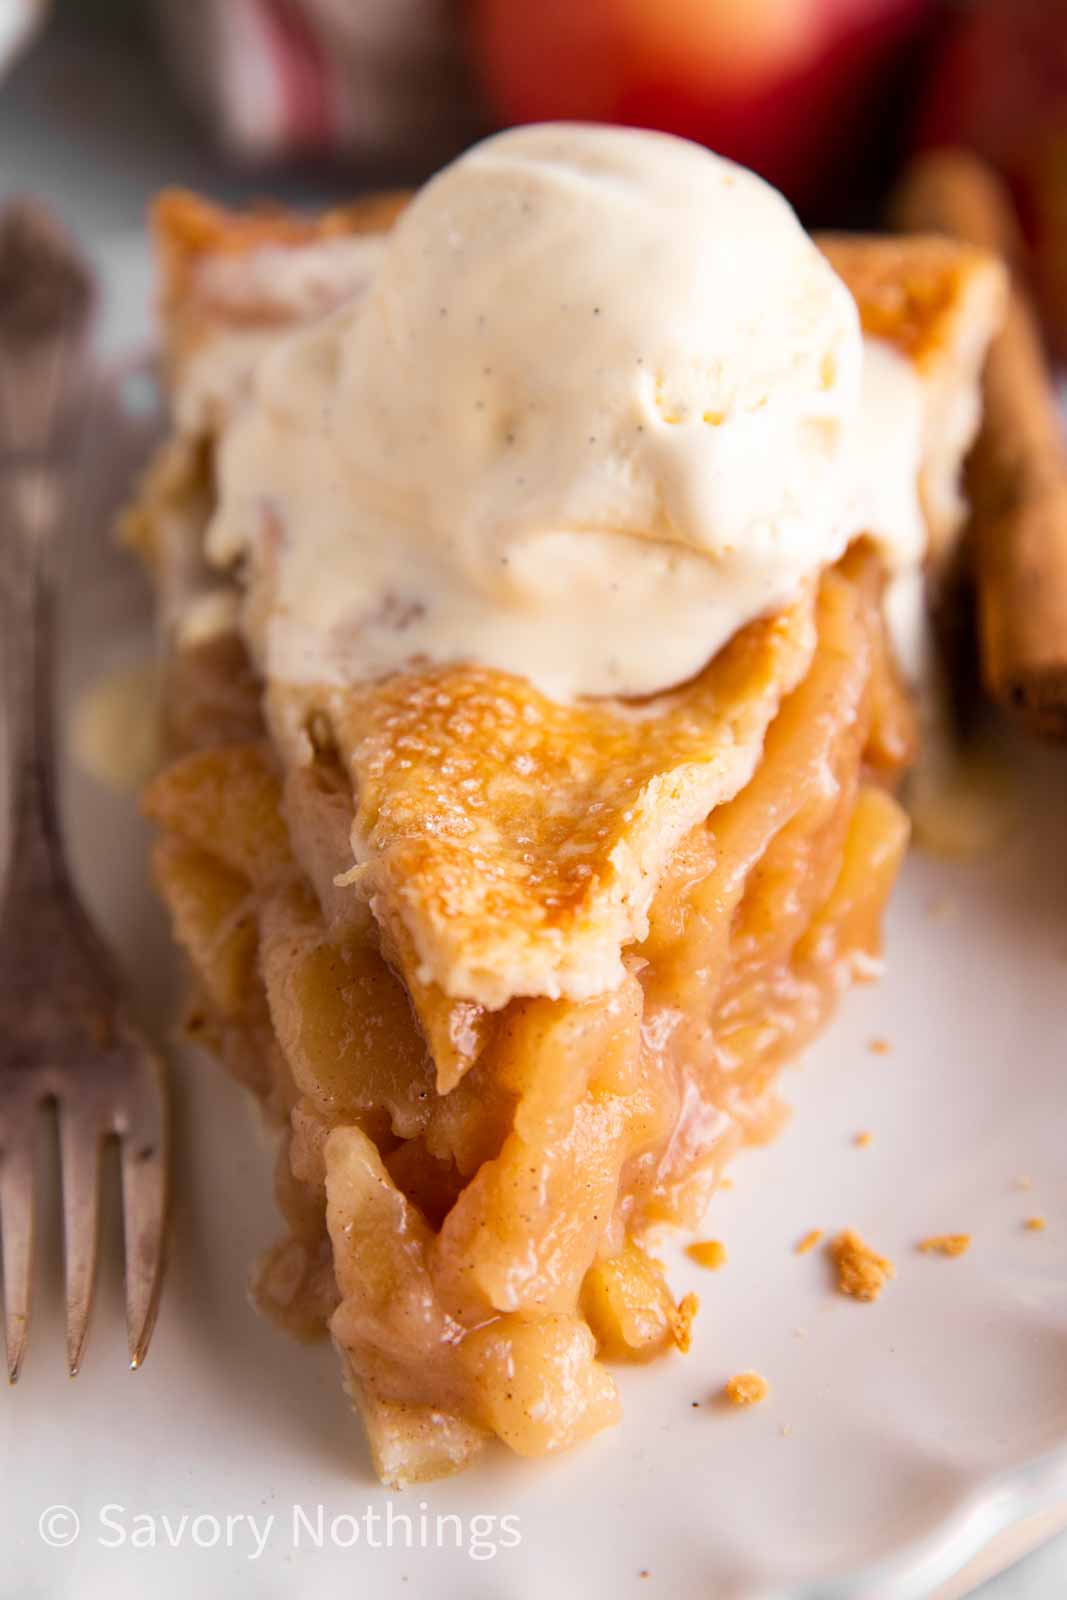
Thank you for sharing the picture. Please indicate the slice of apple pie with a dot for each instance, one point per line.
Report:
(535, 725)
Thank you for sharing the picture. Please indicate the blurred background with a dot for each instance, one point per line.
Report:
(103, 101)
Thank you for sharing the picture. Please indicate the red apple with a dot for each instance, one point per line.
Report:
(1000, 87)
(789, 87)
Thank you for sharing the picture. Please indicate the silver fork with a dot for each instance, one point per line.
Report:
(66, 1039)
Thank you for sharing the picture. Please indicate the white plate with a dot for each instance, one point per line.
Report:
(899, 1437)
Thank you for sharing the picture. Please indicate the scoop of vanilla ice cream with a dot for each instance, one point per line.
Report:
(592, 417)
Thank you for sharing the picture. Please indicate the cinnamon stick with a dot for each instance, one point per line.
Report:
(1017, 472)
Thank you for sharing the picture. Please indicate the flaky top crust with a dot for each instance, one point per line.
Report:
(920, 292)
(514, 844)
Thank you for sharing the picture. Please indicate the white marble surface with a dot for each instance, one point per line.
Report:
(96, 134)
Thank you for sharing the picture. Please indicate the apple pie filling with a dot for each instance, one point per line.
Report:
(469, 1191)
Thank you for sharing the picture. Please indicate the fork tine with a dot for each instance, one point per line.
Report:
(80, 1151)
(144, 1205)
(18, 1161)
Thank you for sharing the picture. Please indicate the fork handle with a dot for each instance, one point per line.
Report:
(32, 503)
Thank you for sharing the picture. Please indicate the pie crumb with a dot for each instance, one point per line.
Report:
(726, 1183)
(879, 1047)
(863, 1138)
(1035, 1224)
(747, 1389)
(682, 1326)
(861, 1272)
(710, 1253)
(945, 1244)
(785, 1429)
(809, 1241)
(1023, 1182)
